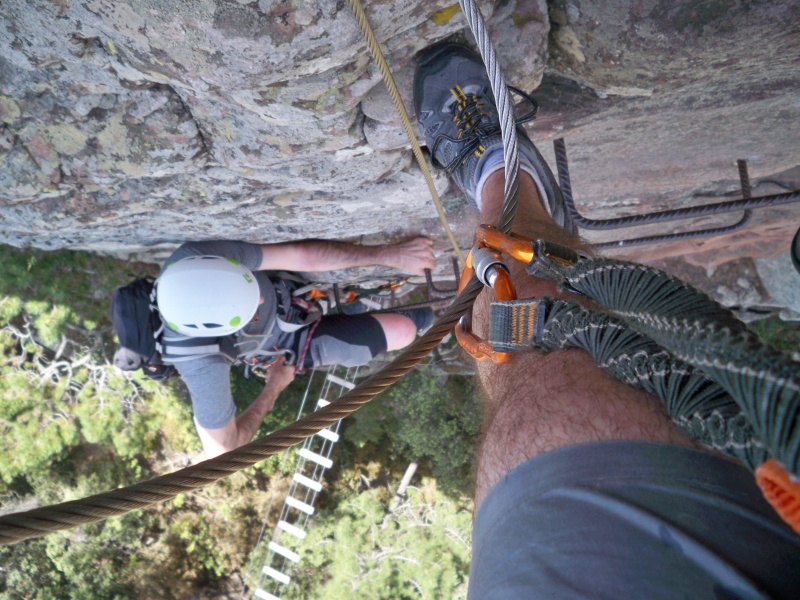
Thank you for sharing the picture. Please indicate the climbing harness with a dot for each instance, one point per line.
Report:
(716, 379)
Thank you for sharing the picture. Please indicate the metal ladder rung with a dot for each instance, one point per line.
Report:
(371, 303)
(291, 529)
(317, 458)
(321, 403)
(265, 595)
(342, 382)
(285, 552)
(308, 482)
(329, 435)
(276, 575)
(301, 506)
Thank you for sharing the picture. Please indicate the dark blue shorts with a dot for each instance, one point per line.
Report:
(349, 340)
(631, 520)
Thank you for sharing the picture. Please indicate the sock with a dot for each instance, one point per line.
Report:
(493, 161)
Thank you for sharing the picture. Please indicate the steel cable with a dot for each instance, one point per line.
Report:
(505, 109)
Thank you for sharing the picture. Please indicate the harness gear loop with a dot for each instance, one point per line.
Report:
(493, 273)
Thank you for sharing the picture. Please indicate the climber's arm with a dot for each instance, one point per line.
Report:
(240, 430)
(412, 256)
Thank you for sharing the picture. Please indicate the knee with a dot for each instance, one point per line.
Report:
(399, 330)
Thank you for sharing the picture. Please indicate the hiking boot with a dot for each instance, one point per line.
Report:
(458, 116)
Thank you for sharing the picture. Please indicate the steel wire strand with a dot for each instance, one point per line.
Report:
(383, 67)
(505, 110)
(36, 523)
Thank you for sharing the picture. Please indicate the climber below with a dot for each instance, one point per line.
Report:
(241, 293)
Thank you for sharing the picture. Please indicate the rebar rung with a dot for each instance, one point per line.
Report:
(370, 303)
(329, 435)
(342, 382)
(308, 482)
(265, 595)
(301, 506)
(292, 530)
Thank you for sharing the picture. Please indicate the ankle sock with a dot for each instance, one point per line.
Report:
(493, 161)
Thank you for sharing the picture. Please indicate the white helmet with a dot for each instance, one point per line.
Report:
(203, 296)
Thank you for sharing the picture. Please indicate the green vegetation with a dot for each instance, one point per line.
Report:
(401, 422)
(371, 547)
(781, 335)
(72, 426)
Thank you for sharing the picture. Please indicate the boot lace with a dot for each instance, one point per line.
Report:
(471, 114)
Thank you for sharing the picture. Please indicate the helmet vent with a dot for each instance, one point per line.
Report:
(211, 325)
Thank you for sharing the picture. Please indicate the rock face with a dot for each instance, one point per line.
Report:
(128, 127)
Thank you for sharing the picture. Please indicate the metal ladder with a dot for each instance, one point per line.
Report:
(313, 460)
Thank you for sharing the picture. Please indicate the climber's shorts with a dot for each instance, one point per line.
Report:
(345, 340)
(631, 520)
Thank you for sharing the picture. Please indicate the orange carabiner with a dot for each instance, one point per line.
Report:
(504, 290)
(516, 246)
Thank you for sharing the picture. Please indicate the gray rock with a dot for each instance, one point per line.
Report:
(131, 126)
(783, 284)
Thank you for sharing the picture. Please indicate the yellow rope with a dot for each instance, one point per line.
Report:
(377, 54)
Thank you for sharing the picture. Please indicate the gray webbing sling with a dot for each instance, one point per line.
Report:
(717, 380)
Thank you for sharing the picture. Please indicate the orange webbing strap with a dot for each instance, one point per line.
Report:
(781, 491)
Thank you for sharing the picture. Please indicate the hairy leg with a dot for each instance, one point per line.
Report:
(541, 402)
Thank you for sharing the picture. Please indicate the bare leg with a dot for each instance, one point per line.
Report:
(537, 403)
(399, 330)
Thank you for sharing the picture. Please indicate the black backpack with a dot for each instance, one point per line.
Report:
(138, 325)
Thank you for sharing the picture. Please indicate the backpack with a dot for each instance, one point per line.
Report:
(138, 325)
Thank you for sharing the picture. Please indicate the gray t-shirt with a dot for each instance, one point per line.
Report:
(208, 378)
